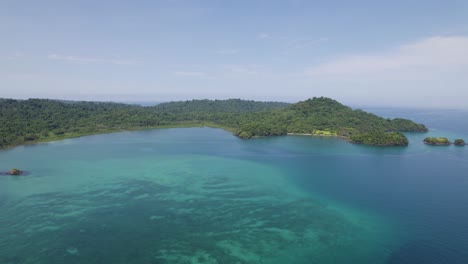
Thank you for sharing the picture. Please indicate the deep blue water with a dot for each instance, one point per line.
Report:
(200, 195)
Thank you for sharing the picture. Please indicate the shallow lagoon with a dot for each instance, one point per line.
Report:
(200, 195)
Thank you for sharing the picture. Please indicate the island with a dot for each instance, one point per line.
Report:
(14, 172)
(459, 142)
(41, 120)
(436, 141)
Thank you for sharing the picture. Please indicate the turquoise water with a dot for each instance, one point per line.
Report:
(200, 195)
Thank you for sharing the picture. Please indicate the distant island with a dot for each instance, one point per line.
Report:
(13, 172)
(41, 120)
(442, 141)
(459, 142)
(436, 141)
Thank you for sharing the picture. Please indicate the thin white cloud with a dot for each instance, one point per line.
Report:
(263, 35)
(293, 45)
(23, 76)
(189, 73)
(305, 43)
(290, 44)
(78, 59)
(431, 55)
(243, 69)
(15, 56)
(431, 72)
(227, 51)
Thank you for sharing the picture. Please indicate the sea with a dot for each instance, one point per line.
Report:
(201, 195)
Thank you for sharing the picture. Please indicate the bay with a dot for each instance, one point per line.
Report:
(201, 195)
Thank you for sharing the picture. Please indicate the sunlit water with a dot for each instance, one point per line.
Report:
(200, 195)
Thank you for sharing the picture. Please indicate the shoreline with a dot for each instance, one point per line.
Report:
(319, 135)
(444, 145)
(313, 135)
(111, 131)
(189, 125)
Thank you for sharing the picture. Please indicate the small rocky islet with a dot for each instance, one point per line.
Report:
(13, 172)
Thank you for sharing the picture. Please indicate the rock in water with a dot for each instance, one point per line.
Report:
(14, 172)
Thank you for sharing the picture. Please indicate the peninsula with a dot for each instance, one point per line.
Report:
(41, 120)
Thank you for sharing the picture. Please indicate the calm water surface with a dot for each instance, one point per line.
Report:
(200, 195)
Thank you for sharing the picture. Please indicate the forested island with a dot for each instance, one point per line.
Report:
(40, 120)
(442, 141)
(437, 141)
(459, 142)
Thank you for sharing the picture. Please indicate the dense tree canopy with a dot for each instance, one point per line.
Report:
(34, 120)
(439, 141)
(314, 116)
(380, 139)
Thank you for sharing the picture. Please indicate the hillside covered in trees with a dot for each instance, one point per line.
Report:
(36, 120)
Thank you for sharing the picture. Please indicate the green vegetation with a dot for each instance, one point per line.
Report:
(459, 142)
(380, 139)
(39, 120)
(437, 141)
(325, 116)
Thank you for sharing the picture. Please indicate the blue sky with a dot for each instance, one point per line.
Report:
(366, 53)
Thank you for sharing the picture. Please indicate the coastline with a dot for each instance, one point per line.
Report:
(314, 135)
(117, 130)
(247, 120)
(188, 125)
(320, 135)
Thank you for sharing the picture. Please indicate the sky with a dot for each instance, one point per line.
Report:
(364, 53)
